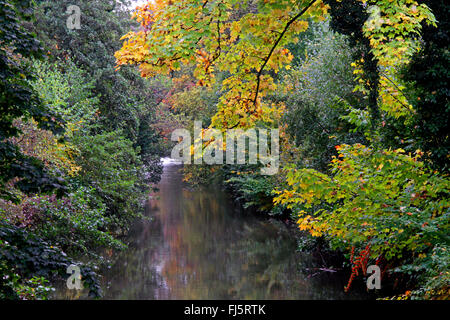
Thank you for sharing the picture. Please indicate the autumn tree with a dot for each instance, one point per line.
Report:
(216, 36)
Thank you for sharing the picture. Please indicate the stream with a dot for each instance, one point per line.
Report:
(200, 245)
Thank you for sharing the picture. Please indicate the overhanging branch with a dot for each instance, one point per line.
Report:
(258, 76)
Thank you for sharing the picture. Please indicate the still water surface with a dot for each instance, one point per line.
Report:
(199, 245)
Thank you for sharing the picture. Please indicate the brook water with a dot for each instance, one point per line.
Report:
(199, 245)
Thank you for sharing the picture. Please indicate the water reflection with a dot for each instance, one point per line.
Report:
(200, 246)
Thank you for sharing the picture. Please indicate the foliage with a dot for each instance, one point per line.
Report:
(64, 87)
(244, 38)
(36, 288)
(56, 156)
(29, 256)
(429, 76)
(68, 122)
(84, 60)
(73, 223)
(195, 103)
(382, 198)
(318, 93)
(254, 191)
(111, 165)
(434, 274)
(358, 89)
(219, 36)
(377, 199)
(123, 94)
(19, 100)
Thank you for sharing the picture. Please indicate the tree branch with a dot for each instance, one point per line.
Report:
(258, 77)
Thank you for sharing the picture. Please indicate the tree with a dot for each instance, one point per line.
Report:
(19, 100)
(430, 78)
(348, 18)
(216, 36)
(123, 95)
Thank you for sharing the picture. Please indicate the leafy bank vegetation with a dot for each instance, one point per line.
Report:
(77, 150)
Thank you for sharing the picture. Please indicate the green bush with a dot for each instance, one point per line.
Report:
(24, 256)
(111, 165)
(384, 205)
(67, 91)
(76, 223)
(254, 191)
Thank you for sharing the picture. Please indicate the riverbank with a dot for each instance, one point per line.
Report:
(258, 195)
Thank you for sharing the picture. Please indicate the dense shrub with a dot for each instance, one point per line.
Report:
(70, 122)
(76, 223)
(383, 203)
(24, 254)
(111, 165)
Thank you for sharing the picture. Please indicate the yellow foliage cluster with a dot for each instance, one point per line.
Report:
(212, 36)
(43, 145)
(215, 36)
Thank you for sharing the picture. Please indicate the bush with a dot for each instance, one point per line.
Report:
(111, 165)
(382, 204)
(254, 191)
(76, 223)
(24, 256)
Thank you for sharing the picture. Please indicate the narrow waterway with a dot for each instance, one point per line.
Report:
(199, 245)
